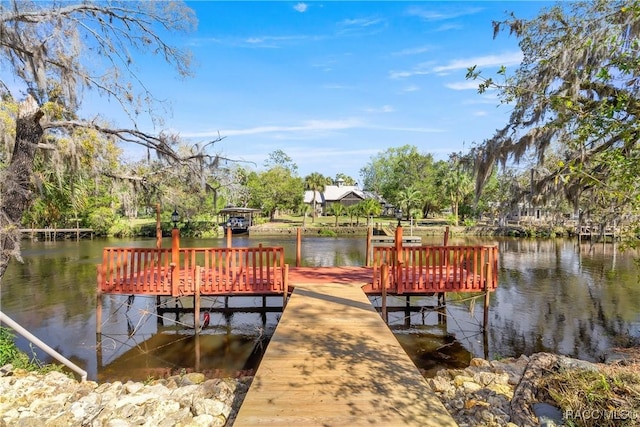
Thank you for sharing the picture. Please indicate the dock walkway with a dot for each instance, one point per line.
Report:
(332, 361)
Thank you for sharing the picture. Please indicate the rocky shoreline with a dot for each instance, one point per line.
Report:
(55, 400)
(486, 393)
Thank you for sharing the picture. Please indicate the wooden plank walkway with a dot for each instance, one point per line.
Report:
(332, 361)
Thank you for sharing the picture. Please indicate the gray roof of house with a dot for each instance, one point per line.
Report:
(333, 193)
(308, 197)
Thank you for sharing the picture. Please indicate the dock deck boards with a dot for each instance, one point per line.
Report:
(332, 361)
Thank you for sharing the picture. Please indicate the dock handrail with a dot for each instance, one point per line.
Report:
(161, 272)
(44, 347)
(437, 268)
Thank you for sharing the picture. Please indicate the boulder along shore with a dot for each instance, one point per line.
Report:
(486, 393)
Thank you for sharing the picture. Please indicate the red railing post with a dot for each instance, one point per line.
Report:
(399, 259)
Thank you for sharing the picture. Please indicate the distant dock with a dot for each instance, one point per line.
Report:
(390, 240)
(53, 234)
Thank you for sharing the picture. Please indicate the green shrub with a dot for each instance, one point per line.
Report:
(451, 219)
(121, 228)
(470, 222)
(101, 220)
(327, 233)
(9, 353)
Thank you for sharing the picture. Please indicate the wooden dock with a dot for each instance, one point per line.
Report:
(332, 361)
(53, 234)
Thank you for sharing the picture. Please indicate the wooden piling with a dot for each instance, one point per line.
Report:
(175, 262)
(229, 239)
(399, 259)
(385, 283)
(446, 236)
(285, 286)
(196, 298)
(487, 296)
(298, 246)
(100, 274)
(368, 254)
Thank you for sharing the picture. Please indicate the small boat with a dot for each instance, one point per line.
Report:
(237, 219)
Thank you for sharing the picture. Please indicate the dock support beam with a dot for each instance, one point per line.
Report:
(368, 254)
(487, 295)
(196, 299)
(175, 261)
(385, 282)
(298, 246)
(285, 286)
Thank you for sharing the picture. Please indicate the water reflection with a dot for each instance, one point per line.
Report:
(553, 295)
(560, 297)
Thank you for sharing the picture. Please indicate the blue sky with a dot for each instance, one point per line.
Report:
(334, 83)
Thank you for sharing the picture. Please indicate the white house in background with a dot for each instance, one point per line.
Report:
(347, 195)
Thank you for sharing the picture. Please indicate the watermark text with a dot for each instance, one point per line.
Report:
(600, 414)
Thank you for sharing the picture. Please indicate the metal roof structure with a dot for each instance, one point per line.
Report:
(234, 209)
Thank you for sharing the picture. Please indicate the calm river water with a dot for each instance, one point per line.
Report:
(553, 295)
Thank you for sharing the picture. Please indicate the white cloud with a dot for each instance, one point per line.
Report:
(274, 41)
(433, 15)
(407, 129)
(308, 126)
(405, 74)
(262, 40)
(506, 59)
(336, 86)
(306, 153)
(301, 7)
(361, 22)
(480, 113)
(469, 84)
(361, 25)
(448, 27)
(485, 98)
(418, 70)
(413, 51)
(383, 109)
(412, 88)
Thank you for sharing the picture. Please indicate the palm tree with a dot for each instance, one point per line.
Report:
(304, 208)
(409, 199)
(354, 210)
(337, 209)
(370, 208)
(457, 184)
(316, 183)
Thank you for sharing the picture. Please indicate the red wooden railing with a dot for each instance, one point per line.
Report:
(426, 269)
(225, 271)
